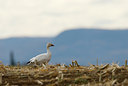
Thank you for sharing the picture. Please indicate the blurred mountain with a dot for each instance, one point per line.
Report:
(83, 45)
(23, 48)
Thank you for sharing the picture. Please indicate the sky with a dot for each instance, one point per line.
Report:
(47, 18)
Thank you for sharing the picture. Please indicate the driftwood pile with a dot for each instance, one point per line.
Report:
(62, 75)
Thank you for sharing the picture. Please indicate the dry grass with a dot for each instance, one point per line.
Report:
(62, 75)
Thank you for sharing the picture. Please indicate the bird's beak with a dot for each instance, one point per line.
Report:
(52, 45)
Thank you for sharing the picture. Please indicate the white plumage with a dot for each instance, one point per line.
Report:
(42, 58)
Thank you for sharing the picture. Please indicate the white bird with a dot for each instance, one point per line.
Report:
(42, 58)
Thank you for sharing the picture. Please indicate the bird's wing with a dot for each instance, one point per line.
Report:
(38, 58)
(31, 60)
(41, 57)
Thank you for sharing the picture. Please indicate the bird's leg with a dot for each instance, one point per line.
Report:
(35, 63)
(44, 65)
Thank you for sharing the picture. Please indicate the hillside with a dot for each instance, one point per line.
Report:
(86, 45)
(23, 48)
(83, 45)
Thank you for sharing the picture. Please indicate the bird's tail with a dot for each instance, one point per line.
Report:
(28, 63)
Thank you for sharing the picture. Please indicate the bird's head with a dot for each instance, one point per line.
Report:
(49, 45)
